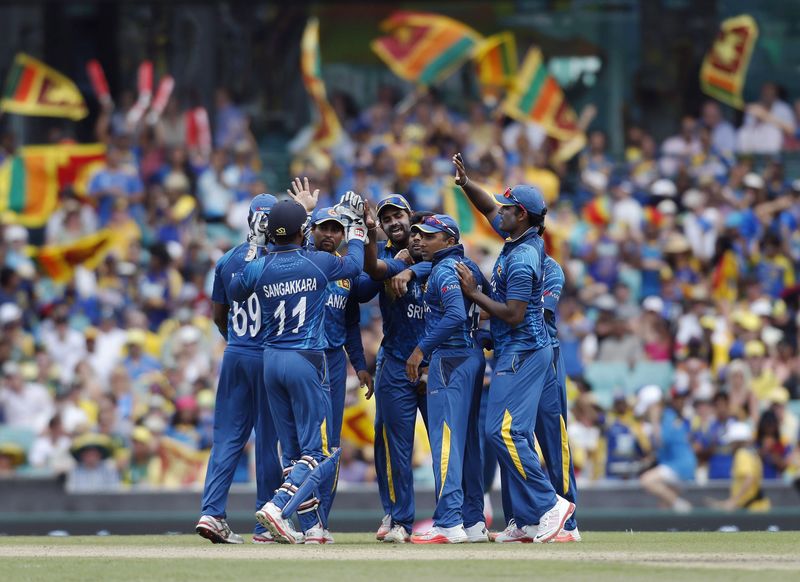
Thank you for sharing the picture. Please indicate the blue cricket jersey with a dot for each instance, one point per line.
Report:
(517, 275)
(553, 284)
(342, 321)
(403, 317)
(245, 332)
(450, 318)
(291, 284)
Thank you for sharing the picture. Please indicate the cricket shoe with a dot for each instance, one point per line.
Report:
(511, 535)
(217, 530)
(552, 521)
(441, 535)
(396, 535)
(386, 525)
(315, 535)
(328, 537)
(264, 538)
(566, 536)
(270, 516)
(477, 534)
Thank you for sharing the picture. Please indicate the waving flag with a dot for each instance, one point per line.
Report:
(425, 48)
(33, 88)
(31, 180)
(473, 225)
(724, 68)
(496, 63)
(59, 261)
(328, 127)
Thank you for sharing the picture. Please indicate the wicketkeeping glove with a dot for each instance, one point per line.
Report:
(351, 208)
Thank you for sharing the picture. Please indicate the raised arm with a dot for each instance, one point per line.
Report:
(479, 197)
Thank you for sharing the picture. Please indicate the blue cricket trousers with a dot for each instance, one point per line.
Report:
(241, 404)
(337, 379)
(297, 386)
(397, 401)
(517, 385)
(455, 383)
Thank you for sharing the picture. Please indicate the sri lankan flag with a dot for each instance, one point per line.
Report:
(31, 180)
(496, 64)
(472, 224)
(59, 261)
(724, 68)
(425, 48)
(537, 97)
(328, 127)
(33, 88)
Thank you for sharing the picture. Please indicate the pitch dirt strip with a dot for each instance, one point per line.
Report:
(711, 561)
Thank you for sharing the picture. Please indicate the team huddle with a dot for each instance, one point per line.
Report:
(288, 304)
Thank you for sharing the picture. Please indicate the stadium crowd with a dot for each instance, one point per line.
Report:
(679, 320)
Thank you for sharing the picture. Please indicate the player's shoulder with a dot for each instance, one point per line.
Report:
(551, 266)
(229, 256)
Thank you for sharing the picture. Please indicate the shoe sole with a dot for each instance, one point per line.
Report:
(437, 540)
(211, 535)
(517, 541)
(564, 519)
(277, 532)
(481, 540)
(264, 542)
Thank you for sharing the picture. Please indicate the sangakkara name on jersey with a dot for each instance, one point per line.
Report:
(290, 287)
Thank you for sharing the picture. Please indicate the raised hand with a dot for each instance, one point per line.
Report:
(302, 194)
(461, 178)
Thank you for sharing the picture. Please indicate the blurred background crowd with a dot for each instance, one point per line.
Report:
(681, 259)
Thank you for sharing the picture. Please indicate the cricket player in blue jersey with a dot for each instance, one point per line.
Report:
(342, 333)
(455, 381)
(551, 432)
(241, 398)
(523, 354)
(397, 398)
(291, 285)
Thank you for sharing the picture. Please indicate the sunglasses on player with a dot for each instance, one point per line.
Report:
(433, 221)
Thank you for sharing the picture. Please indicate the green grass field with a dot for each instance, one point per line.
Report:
(355, 557)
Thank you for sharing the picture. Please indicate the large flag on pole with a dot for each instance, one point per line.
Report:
(31, 180)
(496, 63)
(425, 48)
(724, 68)
(473, 225)
(33, 88)
(328, 127)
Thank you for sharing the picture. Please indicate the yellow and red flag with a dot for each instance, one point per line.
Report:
(33, 88)
(724, 68)
(59, 261)
(425, 48)
(31, 180)
(328, 127)
(496, 63)
(472, 224)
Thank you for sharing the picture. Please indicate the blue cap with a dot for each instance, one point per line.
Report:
(528, 197)
(326, 215)
(439, 223)
(262, 203)
(286, 218)
(394, 200)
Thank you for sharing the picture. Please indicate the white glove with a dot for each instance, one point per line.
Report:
(357, 232)
(351, 209)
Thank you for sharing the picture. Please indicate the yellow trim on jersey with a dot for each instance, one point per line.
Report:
(444, 460)
(564, 455)
(505, 431)
(388, 466)
(323, 430)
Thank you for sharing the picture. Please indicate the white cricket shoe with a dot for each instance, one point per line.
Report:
(264, 538)
(566, 536)
(315, 535)
(441, 535)
(386, 525)
(477, 534)
(217, 530)
(511, 535)
(396, 535)
(328, 537)
(281, 529)
(552, 521)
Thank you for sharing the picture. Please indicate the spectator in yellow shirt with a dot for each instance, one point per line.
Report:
(747, 473)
